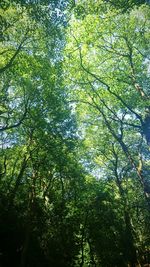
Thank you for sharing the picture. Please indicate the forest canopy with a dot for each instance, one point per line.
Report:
(74, 133)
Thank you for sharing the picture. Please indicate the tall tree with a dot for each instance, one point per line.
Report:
(40, 174)
(107, 58)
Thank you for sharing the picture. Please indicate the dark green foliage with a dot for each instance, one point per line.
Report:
(126, 5)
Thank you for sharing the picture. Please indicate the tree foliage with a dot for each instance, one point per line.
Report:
(74, 133)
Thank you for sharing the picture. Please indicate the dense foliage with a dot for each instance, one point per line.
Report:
(74, 133)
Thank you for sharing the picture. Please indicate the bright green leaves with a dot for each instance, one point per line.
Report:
(106, 59)
(107, 71)
(74, 159)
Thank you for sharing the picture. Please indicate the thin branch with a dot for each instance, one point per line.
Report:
(8, 127)
(10, 63)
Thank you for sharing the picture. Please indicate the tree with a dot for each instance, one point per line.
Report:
(40, 173)
(107, 64)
